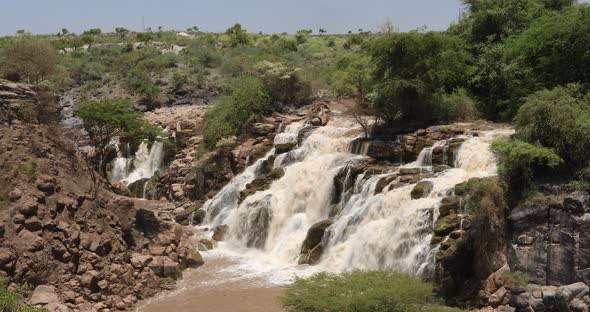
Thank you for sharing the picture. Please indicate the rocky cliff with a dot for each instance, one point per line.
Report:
(81, 247)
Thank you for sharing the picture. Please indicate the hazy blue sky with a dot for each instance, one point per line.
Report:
(336, 16)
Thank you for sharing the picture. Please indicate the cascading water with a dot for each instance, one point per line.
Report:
(371, 230)
(145, 163)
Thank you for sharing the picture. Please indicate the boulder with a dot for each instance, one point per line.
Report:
(46, 184)
(313, 239)
(285, 142)
(422, 189)
(219, 232)
(449, 205)
(44, 295)
(194, 259)
(15, 195)
(263, 129)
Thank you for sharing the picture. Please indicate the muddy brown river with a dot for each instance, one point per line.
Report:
(217, 287)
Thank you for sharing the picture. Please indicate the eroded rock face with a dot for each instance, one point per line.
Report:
(70, 238)
(551, 240)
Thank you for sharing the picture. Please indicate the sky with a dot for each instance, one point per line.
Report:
(269, 16)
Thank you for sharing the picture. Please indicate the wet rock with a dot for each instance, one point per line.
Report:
(449, 205)
(219, 232)
(194, 259)
(312, 240)
(446, 225)
(409, 171)
(422, 189)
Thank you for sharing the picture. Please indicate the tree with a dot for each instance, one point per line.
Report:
(322, 31)
(88, 36)
(555, 47)
(105, 120)
(237, 35)
(412, 69)
(121, 31)
(193, 29)
(28, 58)
(64, 31)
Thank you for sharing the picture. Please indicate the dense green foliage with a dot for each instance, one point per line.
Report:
(361, 291)
(28, 58)
(244, 100)
(521, 160)
(559, 119)
(413, 69)
(555, 47)
(10, 299)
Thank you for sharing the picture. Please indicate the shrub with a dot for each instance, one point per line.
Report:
(559, 119)
(519, 162)
(360, 291)
(286, 44)
(456, 106)
(28, 58)
(515, 279)
(476, 189)
(283, 82)
(203, 54)
(244, 99)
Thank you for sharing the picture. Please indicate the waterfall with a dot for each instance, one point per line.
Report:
(382, 231)
(145, 163)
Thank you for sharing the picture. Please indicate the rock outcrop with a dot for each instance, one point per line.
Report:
(65, 234)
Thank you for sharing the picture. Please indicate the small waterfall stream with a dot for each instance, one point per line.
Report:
(129, 168)
(387, 230)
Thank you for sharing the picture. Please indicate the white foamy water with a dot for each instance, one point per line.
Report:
(370, 232)
(145, 163)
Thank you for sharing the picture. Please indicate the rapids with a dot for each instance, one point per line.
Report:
(371, 231)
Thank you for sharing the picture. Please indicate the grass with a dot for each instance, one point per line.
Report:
(361, 291)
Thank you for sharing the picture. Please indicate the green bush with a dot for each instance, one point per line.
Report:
(519, 161)
(361, 291)
(456, 106)
(559, 119)
(283, 82)
(10, 300)
(476, 189)
(203, 54)
(28, 58)
(244, 99)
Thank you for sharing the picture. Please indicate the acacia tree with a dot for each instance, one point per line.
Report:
(121, 31)
(108, 119)
(28, 58)
(237, 35)
(88, 36)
